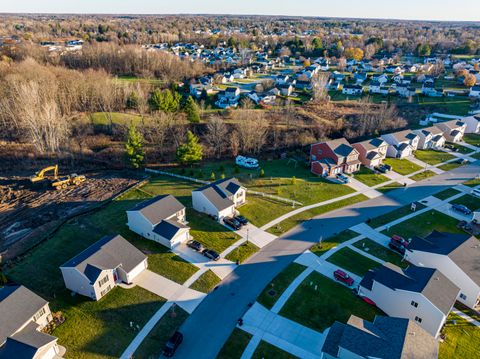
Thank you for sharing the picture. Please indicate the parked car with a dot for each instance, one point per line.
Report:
(342, 178)
(399, 239)
(172, 344)
(383, 168)
(246, 162)
(343, 277)
(232, 222)
(397, 247)
(242, 220)
(461, 208)
(211, 254)
(195, 245)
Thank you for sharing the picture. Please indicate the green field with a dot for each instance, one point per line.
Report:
(271, 209)
(379, 251)
(433, 157)
(242, 252)
(352, 261)
(393, 215)
(369, 177)
(423, 175)
(206, 282)
(447, 193)
(402, 166)
(462, 339)
(331, 242)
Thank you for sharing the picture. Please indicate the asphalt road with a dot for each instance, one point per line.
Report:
(210, 325)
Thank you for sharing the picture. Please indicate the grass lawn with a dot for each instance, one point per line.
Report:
(268, 351)
(462, 339)
(447, 193)
(206, 282)
(277, 286)
(293, 221)
(393, 215)
(390, 187)
(472, 139)
(423, 175)
(450, 166)
(235, 345)
(433, 157)
(332, 242)
(242, 253)
(380, 252)
(424, 224)
(472, 183)
(369, 177)
(402, 166)
(460, 148)
(319, 309)
(270, 209)
(352, 261)
(476, 156)
(102, 329)
(152, 345)
(473, 203)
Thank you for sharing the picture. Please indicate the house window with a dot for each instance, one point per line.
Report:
(39, 314)
(105, 291)
(103, 281)
(463, 296)
(418, 319)
(413, 303)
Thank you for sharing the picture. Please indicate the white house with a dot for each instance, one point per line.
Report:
(161, 219)
(474, 92)
(286, 89)
(352, 90)
(472, 124)
(401, 144)
(405, 90)
(100, 267)
(23, 316)
(382, 78)
(421, 294)
(219, 199)
(457, 256)
(430, 138)
(452, 130)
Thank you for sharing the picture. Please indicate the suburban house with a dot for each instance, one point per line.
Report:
(405, 90)
(385, 337)
(23, 315)
(472, 123)
(333, 157)
(401, 144)
(98, 269)
(457, 256)
(421, 294)
(452, 130)
(430, 138)
(352, 90)
(161, 219)
(371, 152)
(474, 91)
(286, 89)
(428, 89)
(381, 78)
(220, 198)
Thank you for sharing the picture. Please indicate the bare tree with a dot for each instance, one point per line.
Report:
(252, 130)
(216, 135)
(320, 87)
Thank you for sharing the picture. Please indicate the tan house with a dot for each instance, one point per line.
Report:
(430, 138)
(100, 267)
(452, 130)
(371, 152)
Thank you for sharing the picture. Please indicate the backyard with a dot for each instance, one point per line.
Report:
(433, 157)
(462, 339)
(402, 166)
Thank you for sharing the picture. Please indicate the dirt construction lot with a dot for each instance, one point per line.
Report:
(27, 214)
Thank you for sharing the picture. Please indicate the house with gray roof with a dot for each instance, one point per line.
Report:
(457, 256)
(23, 314)
(100, 267)
(452, 130)
(161, 219)
(332, 157)
(220, 198)
(401, 144)
(385, 337)
(430, 138)
(421, 294)
(371, 152)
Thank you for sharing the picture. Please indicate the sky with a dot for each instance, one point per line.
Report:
(464, 10)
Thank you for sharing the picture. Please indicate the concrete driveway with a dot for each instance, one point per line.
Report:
(256, 235)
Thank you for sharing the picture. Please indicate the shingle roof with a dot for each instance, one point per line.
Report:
(404, 135)
(373, 144)
(168, 228)
(218, 192)
(158, 208)
(430, 282)
(18, 305)
(109, 252)
(463, 250)
(341, 147)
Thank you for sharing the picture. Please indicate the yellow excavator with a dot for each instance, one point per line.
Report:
(56, 182)
(39, 176)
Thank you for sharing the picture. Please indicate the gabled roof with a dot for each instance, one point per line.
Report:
(430, 282)
(341, 147)
(462, 249)
(168, 228)
(386, 337)
(18, 305)
(158, 208)
(452, 125)
(218, 192)
(373, 143)
(25, 343)
(109, 252)
(404, 135)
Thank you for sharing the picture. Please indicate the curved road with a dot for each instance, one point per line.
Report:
(210, 325)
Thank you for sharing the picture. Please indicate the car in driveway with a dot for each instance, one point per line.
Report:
(461, 208)
(211, 254)
(195, 245)
(232, 222)
(397, 247)
(384, 168)
(343, 277)
(342, 178)
(241, 219)
(173, 343)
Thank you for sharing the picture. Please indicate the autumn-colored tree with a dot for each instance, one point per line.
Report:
(354, 53)
(470, 80)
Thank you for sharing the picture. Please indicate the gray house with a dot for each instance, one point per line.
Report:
(100, 267)
(386, 337)
(23, 315)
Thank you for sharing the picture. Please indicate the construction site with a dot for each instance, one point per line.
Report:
(33, 207)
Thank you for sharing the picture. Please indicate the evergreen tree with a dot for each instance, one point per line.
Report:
(191, 151)
(191, 109)
(166, 101)
(134, 147)
(133, 100)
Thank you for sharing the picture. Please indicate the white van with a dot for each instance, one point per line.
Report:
(476, 192)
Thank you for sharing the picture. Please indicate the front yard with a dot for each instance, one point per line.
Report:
(235, 345)
(402, 166)
(270, 209)
(393, 215)
(433, 157)
(462, 339)
(381, 252)
(329, 243)
(206, 282)
(472, 139)
(242, 252)
(319, 308)
(473, 203)
(352, 261)
(450, 166)
(266, 350)
(369, 177)
(423, 175)
(447, 193)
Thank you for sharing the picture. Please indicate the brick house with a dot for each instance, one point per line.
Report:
(333, 157)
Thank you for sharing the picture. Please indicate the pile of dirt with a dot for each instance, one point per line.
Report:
(26, 213)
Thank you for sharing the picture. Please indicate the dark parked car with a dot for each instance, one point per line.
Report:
(384, 168)
(397, 247)
(341, 276)
(172, 344)
(195, 245)
(211, 254)
(232, 222)
(243, 221)
(461, 208)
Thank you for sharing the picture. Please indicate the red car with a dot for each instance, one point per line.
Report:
(343, 277)
(368, 300)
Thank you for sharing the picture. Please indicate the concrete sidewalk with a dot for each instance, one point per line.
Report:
(255, 235)
(425, 165)
(363, 188)
(466, 317)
